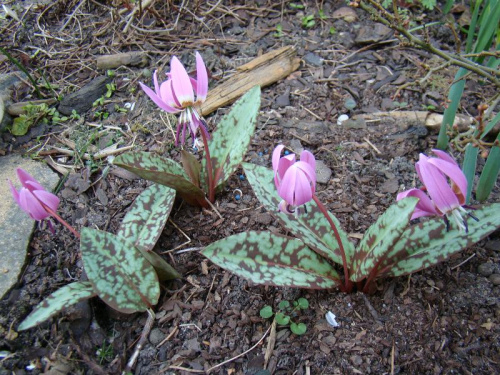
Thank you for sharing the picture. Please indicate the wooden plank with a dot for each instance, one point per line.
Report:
(263, 70)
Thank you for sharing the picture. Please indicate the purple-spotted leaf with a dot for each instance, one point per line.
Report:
(378, 239)
(119, 273)
(311, 226)
(59, 300)
(230, 141)
(272, 259)
(146, 218)
(428, 243)
(162, 171)
(191, 166)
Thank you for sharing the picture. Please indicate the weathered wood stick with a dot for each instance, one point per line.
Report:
(122, 59)
(263, 71)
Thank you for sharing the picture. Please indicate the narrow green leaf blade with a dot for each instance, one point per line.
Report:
(379, 238)
(191, 166)
(429, 243)
(311, 226)
(119, 273)
(144, 222)
(272, 259)
(230, 141)
(469, 168)
(66, 296)
(164, 270)
(489, 174)
(162, 171)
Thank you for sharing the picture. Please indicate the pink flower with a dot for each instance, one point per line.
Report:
(177, 94)
(32, 196)
(294, 180)
(444, 198)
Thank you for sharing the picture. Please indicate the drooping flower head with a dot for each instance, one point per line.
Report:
(32, 196)
(446, 186)
(294, 180)
(177, 95)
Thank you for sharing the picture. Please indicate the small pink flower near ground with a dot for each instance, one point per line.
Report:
(294, 180)
(446, 186)
(177, 95)
(32, 197)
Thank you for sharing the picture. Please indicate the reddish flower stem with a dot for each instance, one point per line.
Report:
(60, 219)
(211, 187)
(347, 287)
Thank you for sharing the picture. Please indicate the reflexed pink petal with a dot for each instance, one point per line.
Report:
(47, 198)
(287, 186)
(155, 82)
(443, 155)
(31, 205)
(168, 95)
(308, 170)
(15, 193)
(158, 101)
(453, 171)
(27, 180)
(308, 158)
(424, 207)
(303, 189)
(285, 162)
(201, 79)
(181, 83)
(277, 156)
(437, 186)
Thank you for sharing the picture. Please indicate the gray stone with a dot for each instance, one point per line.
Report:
(345, 13)
(493, 245)
(283, 100)
(156, 336)
(373, 34)
(15, 225)
(495, 279)
(296, 146)
(323, 173)
(486, 269)
(313, 59)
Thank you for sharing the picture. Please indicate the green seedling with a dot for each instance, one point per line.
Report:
(33, 115)
(279, 31)
(296, 6)
(105, 352)
(308, 21)
(285, 313)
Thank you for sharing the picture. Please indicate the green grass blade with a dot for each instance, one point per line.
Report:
(489, 174)
(469, 168)
(490, 125)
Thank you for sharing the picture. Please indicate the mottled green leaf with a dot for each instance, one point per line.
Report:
(119, 273)
(311, 227)
(230, 141)
(146, 218)
(163, 171)
(59, 300)
(379, 238)
(428, 243)
(272, 259)
(191, 166)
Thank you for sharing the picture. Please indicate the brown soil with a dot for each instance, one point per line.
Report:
(444, 320)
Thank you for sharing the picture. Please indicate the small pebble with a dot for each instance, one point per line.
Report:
(341, 119)
(156, 336)
(242, 177)
(486, 269)
(237, 197)
(287, 152)
(495, 279)
(260, 153)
